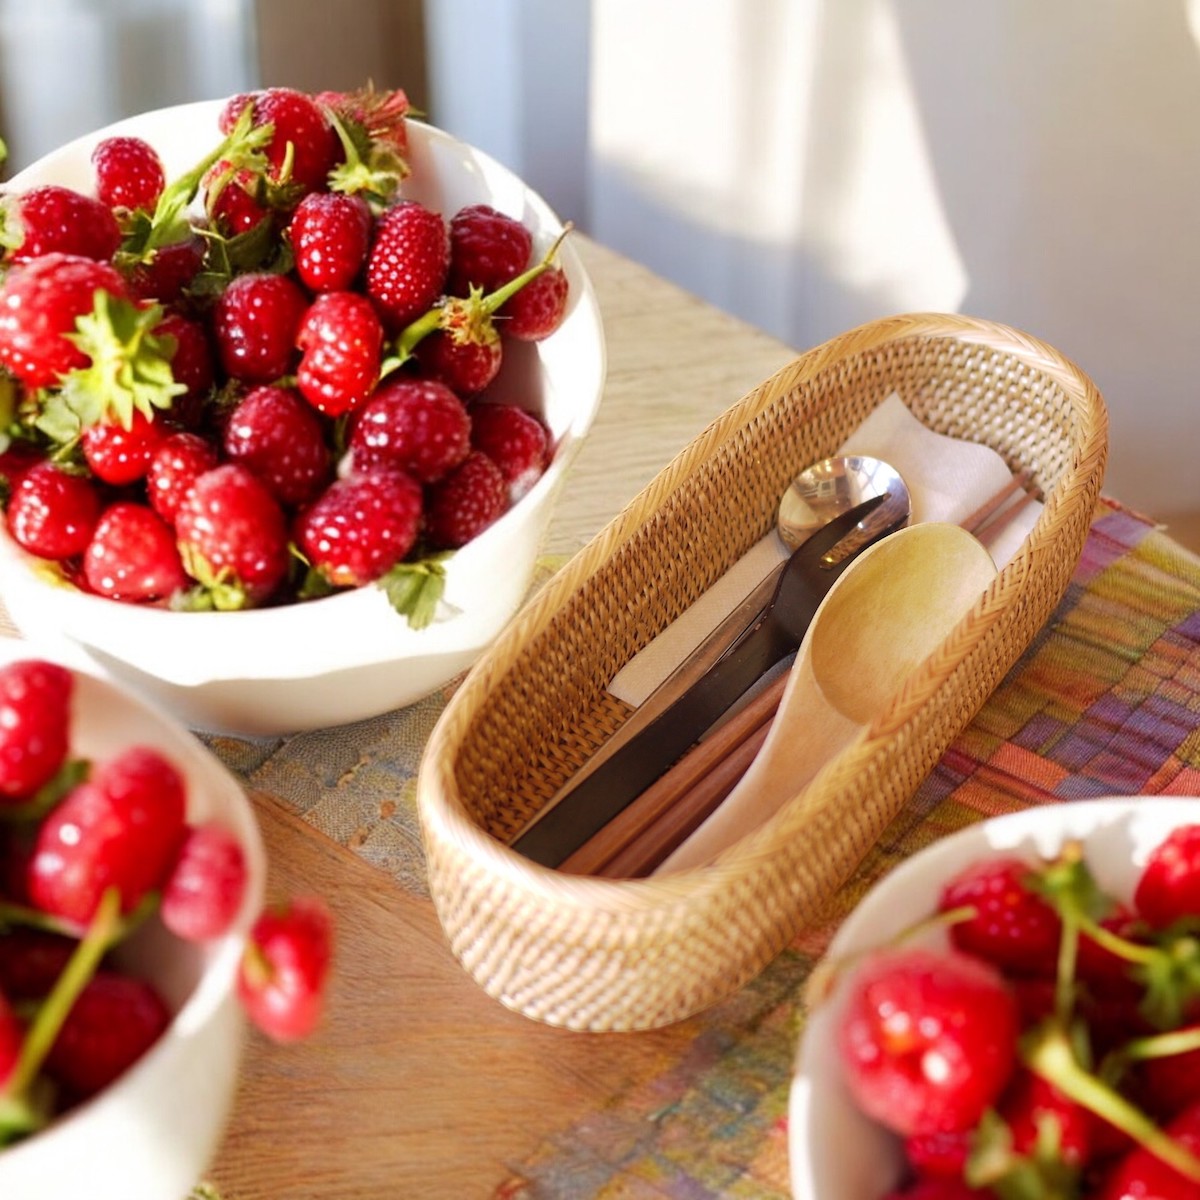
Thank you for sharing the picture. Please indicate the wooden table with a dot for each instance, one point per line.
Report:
(419, 1085)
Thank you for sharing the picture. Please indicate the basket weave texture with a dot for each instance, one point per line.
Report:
(599, 954)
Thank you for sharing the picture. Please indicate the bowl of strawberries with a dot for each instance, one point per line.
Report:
(1014, 1011)
(289, 383)
(134, 941)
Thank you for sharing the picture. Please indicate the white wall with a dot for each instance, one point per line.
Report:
(810, 164)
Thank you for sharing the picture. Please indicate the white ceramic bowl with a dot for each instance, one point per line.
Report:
(152, 1134)
(349, 656)
(835, 1152)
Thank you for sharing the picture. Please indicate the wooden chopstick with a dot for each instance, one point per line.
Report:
(635, 842)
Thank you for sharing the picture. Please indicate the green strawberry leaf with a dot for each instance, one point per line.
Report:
(415, 589)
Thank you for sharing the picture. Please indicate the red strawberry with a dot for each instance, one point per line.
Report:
(418, 425)
(274, 434)
(204, 892)
(465, 353)
(360, 527)
(132, 555)
(255, 322)
(928, 1040)
(407, 263)
(129, 173)
(54, 219)
(233, 200)
(113, 1022)
(12, 1035)
(515, 440)
(1030, 1102)
(52, 513)
(330, 234)
(487, 249)
(1172, 1082)
(177, 462)
(302, 140)
(537, 310)
(39, 304)
(233, 536)
(118, 454)
(1013, 926)
(35, 721)
(169, 271)
(1169, 887)
(121, 828)
(342, 343)
(285, 969)
(381, 115)
(463, 503)
(941, 1154)
(1142, 1175)
(31, 960)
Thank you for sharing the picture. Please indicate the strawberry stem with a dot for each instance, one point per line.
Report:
(1047, 1052)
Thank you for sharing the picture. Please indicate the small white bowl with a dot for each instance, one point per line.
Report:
(152, 1133)
(349, 656)
(837, 1153)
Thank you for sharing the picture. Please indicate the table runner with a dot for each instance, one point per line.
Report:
(1106, 701)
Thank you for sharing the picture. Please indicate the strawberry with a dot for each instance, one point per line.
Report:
(407, 263)
(274, 434)
(254, 323)
(538, 309)
(341, 340)
(31, 960)
(232, 537)
(53, 219)
(129, 173)
(119, 455)
(176, 463)
(487, 249)
(35, 717)
(40, 302)
(52, 513)
(1013, 926)
(12, 1035)
(1029, 1103)
(330, 234)
(515, 440)
(1143, 1175)
(285, 969)
(465, 354)
(417, 425)
(1168, 889)
(121, 828)
(943, 1154)
(132, 555)
(464, 502)
(192, 366)
(360, 527)
(113, 1022)
(168, 271)
(234, 201)
(204, 893)
(303, 148)
(928, 1040)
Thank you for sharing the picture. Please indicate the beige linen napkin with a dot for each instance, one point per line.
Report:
(947, 479)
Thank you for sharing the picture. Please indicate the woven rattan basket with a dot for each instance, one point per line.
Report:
(599, 954)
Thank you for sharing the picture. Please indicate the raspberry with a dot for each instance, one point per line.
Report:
(342, 343)
(129, 173)
(407, 263)
(39, 304)
(515, 440)
(35, 717)
(928, 1040)
(120, 455)
(330, 234)
(465, 502)
(132, 555)
(1169, 887)
(121, 828)
(60, 220)
(1013, 926)
(361, 527)
(52, 513)
(487, 249)
(417, 425)
(537, 310)
(255, 323)
(284, 970)
(177, 462)
(233, 536)
(113, 1022)
(206, 887)
(278, 437)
